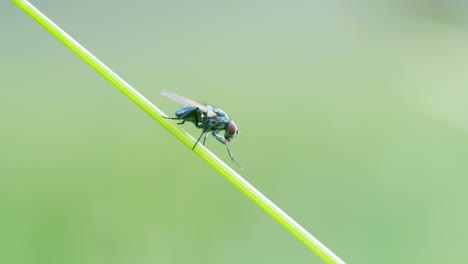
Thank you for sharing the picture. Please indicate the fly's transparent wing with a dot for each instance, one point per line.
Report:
(187, 101)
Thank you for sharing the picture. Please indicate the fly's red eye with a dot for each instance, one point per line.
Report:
(231, 128)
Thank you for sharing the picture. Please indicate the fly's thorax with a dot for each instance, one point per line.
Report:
(220, 112)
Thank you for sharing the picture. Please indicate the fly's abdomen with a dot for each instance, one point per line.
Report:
(188, 113)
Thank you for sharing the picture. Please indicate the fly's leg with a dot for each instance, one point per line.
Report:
(206, 136)
(183, 117)
(222, 140)
(203, 132)
(232, 157)
(175, 118)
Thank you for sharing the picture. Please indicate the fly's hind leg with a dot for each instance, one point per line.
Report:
(182, 118)
(175, 118)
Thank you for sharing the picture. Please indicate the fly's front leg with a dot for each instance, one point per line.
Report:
(222, 140)
(232, 156)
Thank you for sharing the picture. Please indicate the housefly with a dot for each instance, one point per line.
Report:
(205, 117)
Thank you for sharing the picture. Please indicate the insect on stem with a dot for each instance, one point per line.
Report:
(206, 117)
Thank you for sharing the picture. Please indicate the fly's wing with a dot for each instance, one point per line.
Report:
(187, 101)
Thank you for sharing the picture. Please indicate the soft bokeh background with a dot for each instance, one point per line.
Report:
(353, 119)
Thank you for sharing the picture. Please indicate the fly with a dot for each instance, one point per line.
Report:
(205, 117)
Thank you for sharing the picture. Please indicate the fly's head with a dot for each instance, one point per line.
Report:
(231, 131)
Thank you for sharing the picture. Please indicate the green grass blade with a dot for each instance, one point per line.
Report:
(233, 177)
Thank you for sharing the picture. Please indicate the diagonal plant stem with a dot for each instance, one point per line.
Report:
(233, 177)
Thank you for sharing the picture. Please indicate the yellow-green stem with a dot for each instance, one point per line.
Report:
(233, 177)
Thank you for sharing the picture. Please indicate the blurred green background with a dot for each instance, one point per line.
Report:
(353, 119)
